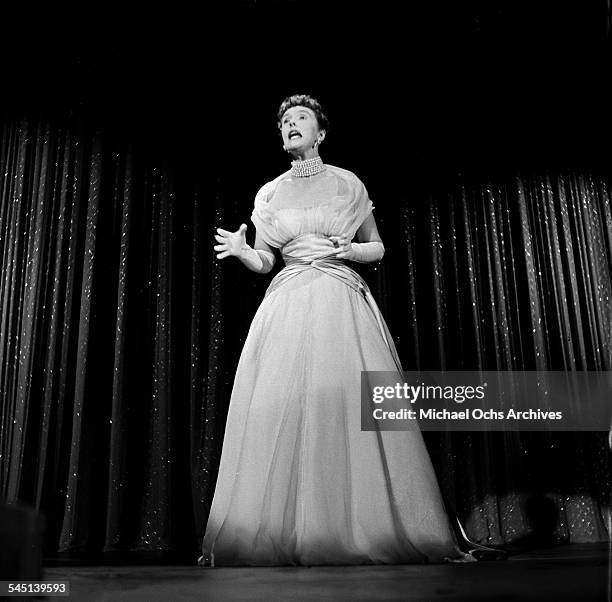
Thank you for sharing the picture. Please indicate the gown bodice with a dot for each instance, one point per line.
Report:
(298, 215)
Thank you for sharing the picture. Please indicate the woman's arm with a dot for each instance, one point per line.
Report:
(265, 253)
(368, 250)
(259, 258)
(368, 231)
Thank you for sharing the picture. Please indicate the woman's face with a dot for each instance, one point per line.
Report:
(299, 128)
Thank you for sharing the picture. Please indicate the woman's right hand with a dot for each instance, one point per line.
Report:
(231, 243)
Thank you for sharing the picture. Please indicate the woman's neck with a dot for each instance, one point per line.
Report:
(309, 153)
(307, 167)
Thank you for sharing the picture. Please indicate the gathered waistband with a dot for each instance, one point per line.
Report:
(337, 269)
(333, 267)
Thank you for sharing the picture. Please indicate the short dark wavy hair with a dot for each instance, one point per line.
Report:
(303, 100)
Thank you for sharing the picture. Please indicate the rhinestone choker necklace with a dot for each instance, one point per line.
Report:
(307, 167)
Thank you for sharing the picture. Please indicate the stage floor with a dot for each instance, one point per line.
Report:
(577, 572)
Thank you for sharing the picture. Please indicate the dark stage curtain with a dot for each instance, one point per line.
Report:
(514, 272)
(120, 334)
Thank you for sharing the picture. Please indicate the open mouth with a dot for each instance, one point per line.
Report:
(294, 134)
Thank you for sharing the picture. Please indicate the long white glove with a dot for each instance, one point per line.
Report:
(234, 243)
(257, 260)
(367, 252)
(362, 252)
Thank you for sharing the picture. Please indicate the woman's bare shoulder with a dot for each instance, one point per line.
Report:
(268, 188)
(345, 174)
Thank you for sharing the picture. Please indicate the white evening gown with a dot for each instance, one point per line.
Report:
(299, 482)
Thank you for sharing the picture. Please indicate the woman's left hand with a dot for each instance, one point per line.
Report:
(345, 248)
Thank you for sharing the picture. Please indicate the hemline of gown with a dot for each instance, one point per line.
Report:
(464, 557)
